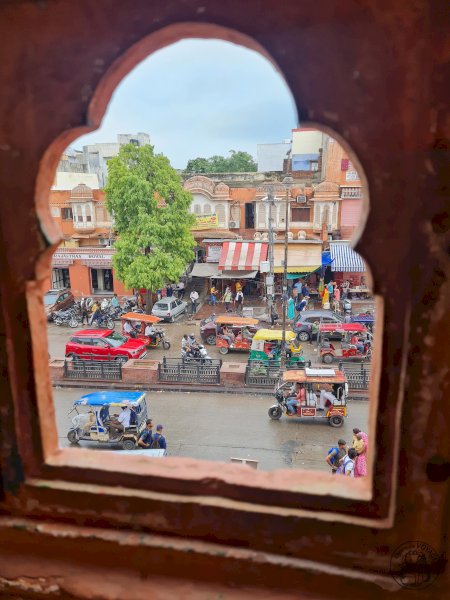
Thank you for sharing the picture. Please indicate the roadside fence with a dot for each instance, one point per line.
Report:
(358, 375)
(93, 369)
(193, 371)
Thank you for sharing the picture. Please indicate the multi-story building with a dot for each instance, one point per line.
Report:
(83, 261)
(94, 157)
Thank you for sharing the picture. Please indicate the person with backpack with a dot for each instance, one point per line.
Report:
(347, 466)
(336, 454)
(146, 438)
(159, 441)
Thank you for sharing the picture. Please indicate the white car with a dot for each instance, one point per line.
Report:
(169, 308)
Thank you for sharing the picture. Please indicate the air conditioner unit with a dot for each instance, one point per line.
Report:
(301, 199)
(104, 241)
(233, 224)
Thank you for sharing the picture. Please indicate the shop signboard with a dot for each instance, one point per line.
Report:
(88, 255)
(213, 253)
(205, 222)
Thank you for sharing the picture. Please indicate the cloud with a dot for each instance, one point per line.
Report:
(198, 98)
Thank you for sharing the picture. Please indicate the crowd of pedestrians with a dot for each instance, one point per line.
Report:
(351, 462)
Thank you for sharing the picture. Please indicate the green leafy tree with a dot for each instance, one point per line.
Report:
(151, 216)
(237, 162)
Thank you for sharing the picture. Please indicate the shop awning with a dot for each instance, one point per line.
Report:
(299, 275)
(302, 258)
(205, 270)
(345, 259)
(242, 256)
(237, 275)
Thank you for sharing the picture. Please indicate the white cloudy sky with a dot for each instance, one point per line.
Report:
(200, 98)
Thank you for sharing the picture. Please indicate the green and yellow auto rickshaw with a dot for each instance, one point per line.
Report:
(267, 345)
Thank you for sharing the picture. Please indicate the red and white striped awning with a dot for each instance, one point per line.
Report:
(242, 256)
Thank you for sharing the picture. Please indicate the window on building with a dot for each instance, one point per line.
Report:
(301, 213)
(207, 210)
(66, 214)
(220, 210)
(196, 209)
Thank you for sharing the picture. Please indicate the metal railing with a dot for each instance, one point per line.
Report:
(193, 371)
(358, 375)
(267, 374)
(93, 369)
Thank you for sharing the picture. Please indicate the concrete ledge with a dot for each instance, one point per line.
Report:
(141, 372)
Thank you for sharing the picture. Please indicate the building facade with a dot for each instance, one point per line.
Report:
(83, 262)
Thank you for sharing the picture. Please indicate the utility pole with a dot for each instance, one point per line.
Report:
(270, 277)
(287, 182)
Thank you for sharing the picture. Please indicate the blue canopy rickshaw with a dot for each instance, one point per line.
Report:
(99, 423)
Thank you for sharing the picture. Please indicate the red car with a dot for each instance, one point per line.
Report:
(104, 344)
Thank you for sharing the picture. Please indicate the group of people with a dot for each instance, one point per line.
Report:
(352, 461)
(148, 439)
(229, 298)
(227, 334)
(171, 289)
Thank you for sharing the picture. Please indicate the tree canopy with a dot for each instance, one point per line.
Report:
(151, 215)
(237, 162)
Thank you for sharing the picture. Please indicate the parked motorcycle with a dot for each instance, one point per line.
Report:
(67, 317)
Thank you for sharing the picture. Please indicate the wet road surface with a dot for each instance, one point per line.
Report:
(218, 426)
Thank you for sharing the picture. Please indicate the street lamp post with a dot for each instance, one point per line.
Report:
(287, 182)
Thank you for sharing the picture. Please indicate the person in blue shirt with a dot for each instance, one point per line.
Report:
(304, 290)
(146, 438)
(114, 301)
(159, 441)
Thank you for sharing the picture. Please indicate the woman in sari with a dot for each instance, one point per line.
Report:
(325, 296)
(360, 444)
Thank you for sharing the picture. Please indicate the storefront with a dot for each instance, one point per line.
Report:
(87, 271)
(304, 261)
(346, 264)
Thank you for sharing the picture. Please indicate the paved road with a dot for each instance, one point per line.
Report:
(58, 336)
(217, 426)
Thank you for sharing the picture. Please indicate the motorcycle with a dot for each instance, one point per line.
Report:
(104, 320)
(67, 317)
(196, 354)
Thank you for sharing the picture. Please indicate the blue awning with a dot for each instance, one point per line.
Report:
(111, 398)
(345, 259)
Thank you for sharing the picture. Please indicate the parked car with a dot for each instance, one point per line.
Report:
(303, 325)
(208, 327)
(57, 300)
(169, 308)
(104, 344)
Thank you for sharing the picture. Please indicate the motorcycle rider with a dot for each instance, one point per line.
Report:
(151, 333)
(115, 302)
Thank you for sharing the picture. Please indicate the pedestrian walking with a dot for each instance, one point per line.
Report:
(273, 315)
(291, 309)
(181, 290)
(227, 298)
(239, 301)
(336, 455)
(194, 299)
(159, 441)
(212, 295)
(169, 290)
(84, 311)
(360, 444)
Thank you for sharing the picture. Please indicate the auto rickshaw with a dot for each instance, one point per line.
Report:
(95, 418)
(347, 348)
(266, 347)
(139, 323)
(241, 336)
(302, 392)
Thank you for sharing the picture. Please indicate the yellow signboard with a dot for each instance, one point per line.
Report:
(205, 222)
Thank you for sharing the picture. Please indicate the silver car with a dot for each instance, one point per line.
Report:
(169, 308)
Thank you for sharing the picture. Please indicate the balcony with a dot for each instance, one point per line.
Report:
(351, 192)
(85, 226)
